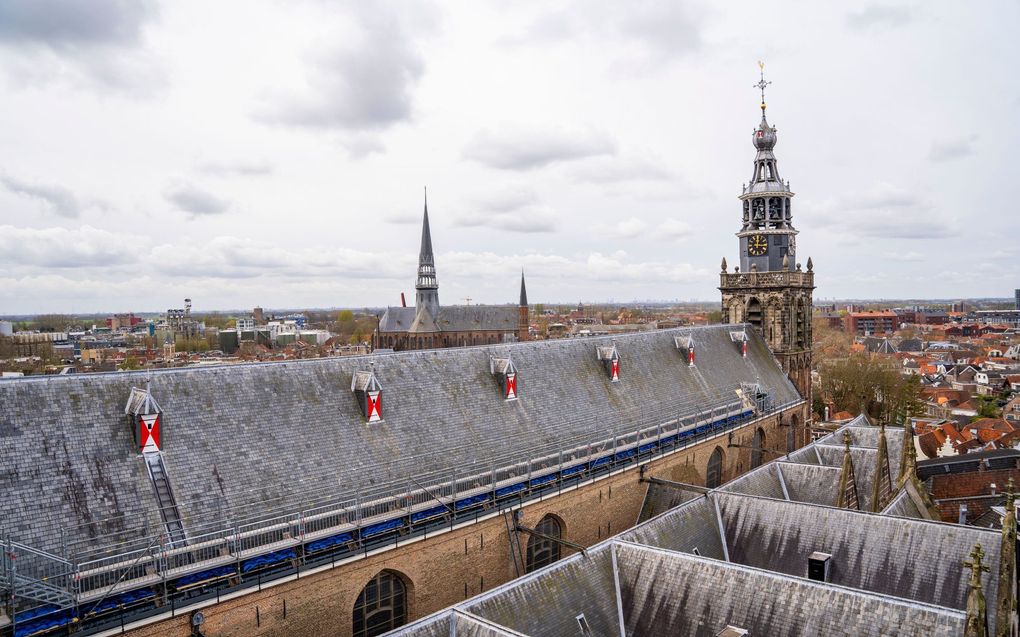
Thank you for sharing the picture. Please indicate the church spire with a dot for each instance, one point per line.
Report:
(524, 291)
(847, 496)
(427, 286)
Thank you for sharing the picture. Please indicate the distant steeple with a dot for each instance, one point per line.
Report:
(524, 291)
(427, 286)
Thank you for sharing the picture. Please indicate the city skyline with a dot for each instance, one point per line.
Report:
(277, 157)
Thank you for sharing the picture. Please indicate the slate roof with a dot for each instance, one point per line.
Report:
(246, 440)
(454, 318)
(889, 574)
(667, 593)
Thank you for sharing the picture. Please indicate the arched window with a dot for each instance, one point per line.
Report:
(754, 313)
(756, 445)
(381, 606)
(713, 476)
(541, 550)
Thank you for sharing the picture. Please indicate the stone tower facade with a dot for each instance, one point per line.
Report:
(770, 289)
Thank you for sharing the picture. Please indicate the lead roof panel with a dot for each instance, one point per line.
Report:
(243, 440)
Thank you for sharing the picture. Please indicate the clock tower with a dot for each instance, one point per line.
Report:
(770, 290)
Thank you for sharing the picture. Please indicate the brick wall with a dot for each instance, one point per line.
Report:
(450, 567)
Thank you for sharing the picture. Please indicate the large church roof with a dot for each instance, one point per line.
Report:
(454, 318)
(248, 440)
(737, 556)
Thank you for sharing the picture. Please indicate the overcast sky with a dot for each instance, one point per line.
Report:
(273, 153)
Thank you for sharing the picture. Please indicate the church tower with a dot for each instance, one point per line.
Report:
(770, 290)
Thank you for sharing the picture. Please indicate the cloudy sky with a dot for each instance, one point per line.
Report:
(273, 153)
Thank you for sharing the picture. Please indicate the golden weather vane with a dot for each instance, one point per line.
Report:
(762, 83)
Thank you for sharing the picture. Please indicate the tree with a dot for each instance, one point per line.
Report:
(130, 363)
(988, 407)
(714, 317)
(859, 383)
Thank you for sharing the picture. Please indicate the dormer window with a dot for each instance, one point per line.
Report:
(610, 360)
(368, 391)
(686, 345)
(506, 375)
(145, 414)
(740, 338)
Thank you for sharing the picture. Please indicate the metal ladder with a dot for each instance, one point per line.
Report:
(515, 543)
(165, 500)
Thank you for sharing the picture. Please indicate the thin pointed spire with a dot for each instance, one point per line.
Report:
(1007, 566)
(847, 497)
(883, 481)
(977, 612)
(524, 291)
(908, 457)
(425, 255)
(427, 286)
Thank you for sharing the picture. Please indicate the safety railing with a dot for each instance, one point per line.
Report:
(155, 562)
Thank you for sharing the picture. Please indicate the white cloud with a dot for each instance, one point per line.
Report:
(511, 148)
(515, 210)
(674, 229)
(99, 44)
(84, 247)
(194, 200)
(57, 199)
(950, 149)
(882, 211)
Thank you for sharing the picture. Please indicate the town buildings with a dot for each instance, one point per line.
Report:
(349, 496)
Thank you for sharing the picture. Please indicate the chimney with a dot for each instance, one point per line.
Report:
(403, 301)
(963, 514)
(818, 566)
(992, 486)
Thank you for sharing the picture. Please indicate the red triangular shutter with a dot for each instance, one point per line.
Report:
(511, 386)
(148, 432)
(374, 406)
(616, 370)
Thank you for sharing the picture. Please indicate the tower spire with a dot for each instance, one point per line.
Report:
(524, 291)
(761, 85)
(427, 285)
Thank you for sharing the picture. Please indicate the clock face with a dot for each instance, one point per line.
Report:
(757, 245)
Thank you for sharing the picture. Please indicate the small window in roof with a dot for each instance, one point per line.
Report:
(696, 551)
(732, 631)
(582, 623)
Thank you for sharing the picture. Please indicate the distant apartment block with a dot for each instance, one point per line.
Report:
(122, 321)
(870, 323)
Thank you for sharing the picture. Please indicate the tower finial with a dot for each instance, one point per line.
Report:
(762, 83)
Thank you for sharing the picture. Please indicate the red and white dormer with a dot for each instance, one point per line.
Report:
(686, 346)
(740, 338)
(368, 391)
(610, 359)
(506, 375)
(146, 418)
